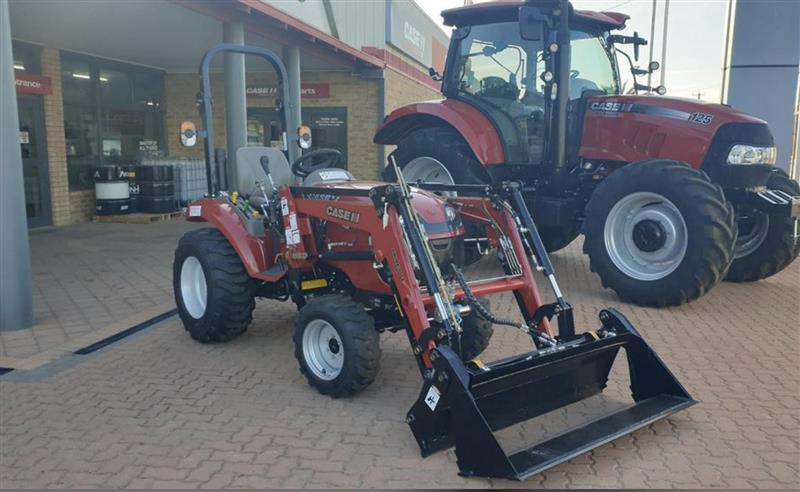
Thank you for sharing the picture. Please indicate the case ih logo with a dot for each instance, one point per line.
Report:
(607, 106)
(415, 38)
(343, 214)
(309, 91)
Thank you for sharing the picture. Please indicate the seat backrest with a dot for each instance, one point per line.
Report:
(249, 170)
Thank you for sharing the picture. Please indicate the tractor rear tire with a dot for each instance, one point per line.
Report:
(442, 147)
(337, 345)
(214, 293)
(776, 246)
(476, 334)
(659, 233)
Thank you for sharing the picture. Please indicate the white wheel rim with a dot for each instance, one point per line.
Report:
(624, 251)
(428, 170)
(194, 291)
(749, 241)
(323, 350)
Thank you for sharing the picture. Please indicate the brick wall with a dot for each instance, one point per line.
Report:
(359, 96)
(81, 206)
(56, 147)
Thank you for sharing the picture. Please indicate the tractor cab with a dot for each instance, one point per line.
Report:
(504, 59)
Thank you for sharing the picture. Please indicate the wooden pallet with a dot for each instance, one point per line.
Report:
(137, 218)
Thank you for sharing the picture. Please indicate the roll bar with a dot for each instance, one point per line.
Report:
(205, 101)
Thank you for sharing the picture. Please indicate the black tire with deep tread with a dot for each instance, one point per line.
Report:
(779, 248)
(710, 227)
(230, 290)
(360, 340)
(477, 332)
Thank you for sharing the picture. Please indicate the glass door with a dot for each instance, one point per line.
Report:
(34, 160)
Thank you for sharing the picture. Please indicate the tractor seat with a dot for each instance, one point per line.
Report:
(249, 170)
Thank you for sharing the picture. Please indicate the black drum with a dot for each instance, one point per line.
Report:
(156, 189)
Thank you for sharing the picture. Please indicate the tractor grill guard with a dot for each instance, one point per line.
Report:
(463, 404)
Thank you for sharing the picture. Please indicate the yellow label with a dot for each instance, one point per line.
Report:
(317, 283)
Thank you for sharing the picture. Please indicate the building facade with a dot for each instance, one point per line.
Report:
(109, 82)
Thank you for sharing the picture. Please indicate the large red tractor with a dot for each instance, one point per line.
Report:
(360, 258)
(672, 195)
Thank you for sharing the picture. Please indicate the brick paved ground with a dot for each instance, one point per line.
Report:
(159, 410)
(90, 279)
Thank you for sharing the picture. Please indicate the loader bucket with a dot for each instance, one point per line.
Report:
(463, 407)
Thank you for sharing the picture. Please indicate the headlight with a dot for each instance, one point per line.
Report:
(748, 154)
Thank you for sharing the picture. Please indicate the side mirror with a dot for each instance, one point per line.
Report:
(531, 25)
(635, 40)
(304, 137)
(188, 134)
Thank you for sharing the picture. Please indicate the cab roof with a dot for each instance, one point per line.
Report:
(506, 10)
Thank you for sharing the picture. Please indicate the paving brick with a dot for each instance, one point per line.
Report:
(159, 410)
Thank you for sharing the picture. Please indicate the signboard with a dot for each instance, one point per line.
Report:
(308, 91)
(413, 32)
(28, 83)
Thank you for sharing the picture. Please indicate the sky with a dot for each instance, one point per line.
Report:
(694, 39)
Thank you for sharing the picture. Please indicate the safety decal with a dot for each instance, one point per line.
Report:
(432, 398)
(195, 210)
(284, 206)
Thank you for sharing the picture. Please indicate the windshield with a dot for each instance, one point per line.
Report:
(592, 65)
(501, 74)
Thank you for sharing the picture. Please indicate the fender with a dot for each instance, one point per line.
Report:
(224, 217)
(474, 126)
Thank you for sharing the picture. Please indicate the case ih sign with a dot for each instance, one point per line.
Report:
(32, 84)
(308, 91)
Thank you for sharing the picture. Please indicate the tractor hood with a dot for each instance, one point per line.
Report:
(432, 208)
(634, 127)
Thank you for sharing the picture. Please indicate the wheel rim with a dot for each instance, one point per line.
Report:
(645, 236)
(194, 291)
(323, 349)
(753, 228)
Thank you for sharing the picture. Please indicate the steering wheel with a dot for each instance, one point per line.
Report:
(573, 74)
(303, 165)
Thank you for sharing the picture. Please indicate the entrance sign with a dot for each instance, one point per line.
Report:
(308, 91)
(28, 83)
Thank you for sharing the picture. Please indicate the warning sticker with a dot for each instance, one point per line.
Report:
(195, 210)
(284, 206)
(293, 221)
(432, 398)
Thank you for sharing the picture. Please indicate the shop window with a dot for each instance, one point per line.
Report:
(115, 88)
(112, 115)
(77, 82)
(81, 136)
(27, 57)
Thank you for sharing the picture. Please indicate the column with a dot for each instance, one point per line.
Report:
(235, 99)
(291, 58)
(761, 62)
(16, 292)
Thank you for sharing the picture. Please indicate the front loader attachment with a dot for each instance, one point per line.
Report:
(464, 406)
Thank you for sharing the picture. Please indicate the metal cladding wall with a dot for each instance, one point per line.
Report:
(761, 67)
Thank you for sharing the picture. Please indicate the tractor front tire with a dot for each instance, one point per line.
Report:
(214, 293)
(765, 246)
(659, 233)
(337, 345)
(476, 334)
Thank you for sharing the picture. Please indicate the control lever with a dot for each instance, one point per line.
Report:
(265, 166)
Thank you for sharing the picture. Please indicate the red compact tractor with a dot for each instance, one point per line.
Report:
(360, 258)
(672, 195)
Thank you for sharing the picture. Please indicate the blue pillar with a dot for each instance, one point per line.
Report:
(16, 294)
